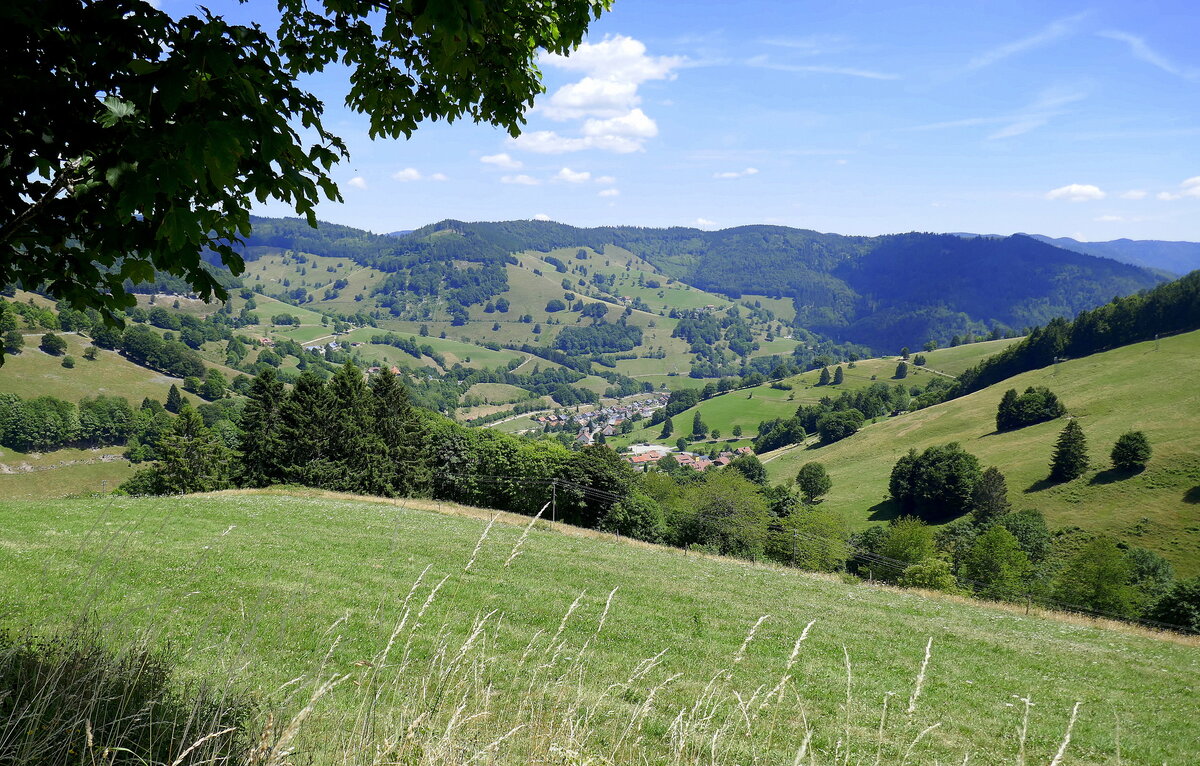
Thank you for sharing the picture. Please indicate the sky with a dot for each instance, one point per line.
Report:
(1064, 119)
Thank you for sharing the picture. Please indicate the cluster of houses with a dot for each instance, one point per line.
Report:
(605, 421)
(642, 457)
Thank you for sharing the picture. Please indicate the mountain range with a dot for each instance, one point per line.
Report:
(882, 292)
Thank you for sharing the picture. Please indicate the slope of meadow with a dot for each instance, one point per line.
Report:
(1149, 387)
(582, 648)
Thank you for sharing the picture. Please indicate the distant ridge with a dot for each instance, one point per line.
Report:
(1172, 258)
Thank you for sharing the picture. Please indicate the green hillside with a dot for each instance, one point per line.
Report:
(751, 406)
(682, 670)
(1149, 387)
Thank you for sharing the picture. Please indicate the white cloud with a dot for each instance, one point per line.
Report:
(617, 58)
(591, 97)
(1142, 51)
(501, 160)
(571, 176)
(541, 217)
(610, 193)
(1044, 36)
(520, 180)
(1076, 193)
(605, 98)
(736, 173)
(1049, 103)
(605, 180)
(761, 61)
(358, 182)
(1188, 188)
(704, 223)
(1134, 194)
(438, 177)
(408, 174)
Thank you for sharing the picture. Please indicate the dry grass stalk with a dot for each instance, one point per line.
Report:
(1062, 748)
(479, 544)
(741, 652)
(516, 551)
(912, 701)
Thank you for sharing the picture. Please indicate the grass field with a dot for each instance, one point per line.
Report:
(61, 473)
(1131, 388)
(954, 361)
(585, 649)
(35, 373)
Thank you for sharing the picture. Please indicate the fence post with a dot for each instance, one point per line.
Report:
(554, 499)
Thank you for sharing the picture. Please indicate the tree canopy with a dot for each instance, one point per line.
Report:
(134, 142)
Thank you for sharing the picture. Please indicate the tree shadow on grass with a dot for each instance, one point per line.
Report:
(884, 511)
(1192, 495)
(1112, 475)
(1041, 484)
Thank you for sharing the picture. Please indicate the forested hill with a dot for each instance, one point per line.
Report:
(1172, 257)
(884, 292)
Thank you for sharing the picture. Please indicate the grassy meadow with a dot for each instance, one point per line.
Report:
(584, 648)
(33, 373)
(1146, 386)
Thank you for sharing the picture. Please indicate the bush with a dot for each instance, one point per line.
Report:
(70, 699)
(53, 345)
(68, 362)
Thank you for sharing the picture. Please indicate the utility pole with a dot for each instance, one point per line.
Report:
(554, 499)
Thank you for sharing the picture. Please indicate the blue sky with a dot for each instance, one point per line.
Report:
(1058, 118)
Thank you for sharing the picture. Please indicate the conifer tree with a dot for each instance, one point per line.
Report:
(667, 428)
(1070, 453)
(990, 497)
(838, 376)
(261, 445)
(1006, 412)
(304, 425)
(901, 371)
(174, 399)
(1131, 451)
(354, 448)
(699, 429)
(823, 380)
(192, 459)
(399, 430)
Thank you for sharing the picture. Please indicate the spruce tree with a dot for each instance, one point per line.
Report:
(1070, 453)
(1131, 451)
(174, 399)
(1006, 412)
(838, 376)
(192, 459)
(667, 428)
(901, 371)
(262, 449)
(400, 434)
(823, 380)
(990, 497)
(699, 429)
(353, 445)
(304, 425)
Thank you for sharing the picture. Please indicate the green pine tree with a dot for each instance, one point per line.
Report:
(401, 435)
(1006, 412)
(1070, 453)
(990, 497)
(699, 428)
(304, 425)
(823, 380)
(353, 445)
(667, 428)
(1131, 451)
(261, 446)
(192, 459)
(838, 376)
(174, 399)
